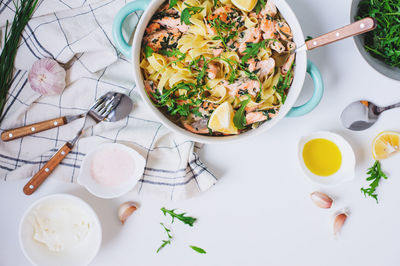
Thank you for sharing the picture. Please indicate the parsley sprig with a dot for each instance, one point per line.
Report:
(260, 5)
(375, 175)
(181, 217)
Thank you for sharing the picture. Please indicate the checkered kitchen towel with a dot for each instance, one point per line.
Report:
(77, 33)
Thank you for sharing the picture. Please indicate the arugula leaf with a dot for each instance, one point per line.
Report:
(260, 5)
(148, 51)
(185, 219)
(375, 175)
(252, 50)
(172, 3)
(382, 43)
(215, 3)
(165, 242)
(188, 12)
(197, 249)
(239, 118)
(174, 52)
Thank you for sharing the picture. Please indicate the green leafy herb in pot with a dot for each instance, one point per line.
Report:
(384, 42)
(23, 12)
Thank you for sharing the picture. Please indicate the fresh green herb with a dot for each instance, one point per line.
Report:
(165, 242)
(375, 175)
(284, 84)
(172, 3)
(252, 50)
(182, 217)
(174, 52)
(23, 12)
(309, 38)
(259, 6)
(148, 51)
(188, 12)
(384, 42)
(239, 118)
(221, 27)
(197, 249)
(215, 3)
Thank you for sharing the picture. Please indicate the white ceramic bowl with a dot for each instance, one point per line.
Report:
(346, 171)
(107, 192)
(301, 67)
(39, 254)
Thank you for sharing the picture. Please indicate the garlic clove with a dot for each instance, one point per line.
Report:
(47, 77)
(338, 222)
(321, 199)
(125, 210)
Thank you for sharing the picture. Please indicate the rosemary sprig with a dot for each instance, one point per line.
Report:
(23, 12)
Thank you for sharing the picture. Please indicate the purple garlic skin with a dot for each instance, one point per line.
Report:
(47, 77)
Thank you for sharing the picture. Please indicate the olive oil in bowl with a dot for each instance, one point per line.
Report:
(326, 158)
(322, 157)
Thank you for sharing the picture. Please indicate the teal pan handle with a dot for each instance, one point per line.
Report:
(317, 96)
(119, 41)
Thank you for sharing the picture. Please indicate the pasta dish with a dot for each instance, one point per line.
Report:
(214, 68)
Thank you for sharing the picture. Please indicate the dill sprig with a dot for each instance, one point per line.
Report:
(375, 175)
(23, 12)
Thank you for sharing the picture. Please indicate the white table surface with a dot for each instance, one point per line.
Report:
(260, 212)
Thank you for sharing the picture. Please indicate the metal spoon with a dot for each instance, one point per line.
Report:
(112, 106)
(361, 115)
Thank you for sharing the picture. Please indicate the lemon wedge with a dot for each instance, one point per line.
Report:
(385, 144)
(245, 5)
(221, 119)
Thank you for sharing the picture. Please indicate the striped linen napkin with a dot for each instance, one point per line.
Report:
(77, 33)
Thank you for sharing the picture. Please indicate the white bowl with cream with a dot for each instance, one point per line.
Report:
(111, 170)
(60, 229)
(346, 170)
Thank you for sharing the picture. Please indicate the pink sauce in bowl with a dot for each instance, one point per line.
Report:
(111, 170)
(112, 166)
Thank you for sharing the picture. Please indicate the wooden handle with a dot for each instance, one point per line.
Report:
(32, 129)
(356, 28)
(47, 169)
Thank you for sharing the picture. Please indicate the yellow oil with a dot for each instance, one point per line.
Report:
(322, 157)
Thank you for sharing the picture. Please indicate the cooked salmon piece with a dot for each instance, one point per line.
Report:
(254, 117)
(252, 35)
(152, 28)
(198, 126)
(263, 68)
(277, 46)
(267, 26)
(284, 30)
(242, 86)
(163, 39)
(286, 66)
(172, 23)
(269, 10)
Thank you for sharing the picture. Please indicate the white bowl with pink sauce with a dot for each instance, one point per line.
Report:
(111, 170)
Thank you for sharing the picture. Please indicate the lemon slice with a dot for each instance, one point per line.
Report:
(221, 119)
(385, 144)
(245, 5)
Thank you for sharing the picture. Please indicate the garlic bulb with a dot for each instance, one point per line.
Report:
(338, 222)
(125, 210)
(47, 77)
(321, 200)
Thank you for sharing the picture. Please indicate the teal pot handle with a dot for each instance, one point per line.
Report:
(119, 19)
(317, 96)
